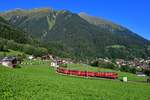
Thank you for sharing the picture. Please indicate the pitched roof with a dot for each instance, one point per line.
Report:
(9, 59)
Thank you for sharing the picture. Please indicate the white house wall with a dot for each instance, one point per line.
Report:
(7, 64)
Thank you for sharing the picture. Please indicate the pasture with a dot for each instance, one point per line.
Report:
(40, 82)
(11, 53)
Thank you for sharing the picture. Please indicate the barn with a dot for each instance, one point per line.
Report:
(10, 62)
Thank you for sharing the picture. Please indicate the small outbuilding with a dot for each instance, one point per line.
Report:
(10, 62)
(31, 57)
(46, 57)
(140, 74)
(54, 64)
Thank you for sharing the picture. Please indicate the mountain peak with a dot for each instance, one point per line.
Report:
(42, 9)
(21, 11)
(83, 13)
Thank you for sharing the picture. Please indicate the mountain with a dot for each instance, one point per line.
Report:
(78, 35)
(102, 23)
(110, 26)
(9, 32)
(14, 38)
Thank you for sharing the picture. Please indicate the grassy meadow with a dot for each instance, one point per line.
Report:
(131, 77)
(10, 53)
(40, 82)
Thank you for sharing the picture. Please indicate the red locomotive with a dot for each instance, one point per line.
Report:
(110, 75)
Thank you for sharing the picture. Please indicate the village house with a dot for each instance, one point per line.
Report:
(140, 74)
(48, 57)
(137, 62)
(54, 64)
(121, 62)
(10, 62)
(31, 57)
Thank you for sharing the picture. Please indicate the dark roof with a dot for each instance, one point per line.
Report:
(139, 73)
(9, 59)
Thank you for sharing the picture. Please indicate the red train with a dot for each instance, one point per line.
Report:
(110, 75)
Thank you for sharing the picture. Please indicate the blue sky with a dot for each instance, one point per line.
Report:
(133, 14)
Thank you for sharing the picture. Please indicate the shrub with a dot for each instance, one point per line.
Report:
(103, 64)
(146, 71)
(128, 69)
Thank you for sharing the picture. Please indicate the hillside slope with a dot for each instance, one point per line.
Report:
(76, 33)
(14, 38)
(112, 28)
(9, 32)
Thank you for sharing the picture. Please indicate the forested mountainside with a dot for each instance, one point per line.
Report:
(9, 32)
(78, 35)
(13, 38)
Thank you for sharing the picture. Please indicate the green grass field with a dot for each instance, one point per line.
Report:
(131, 77)
(40, 82)
(10, 53)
